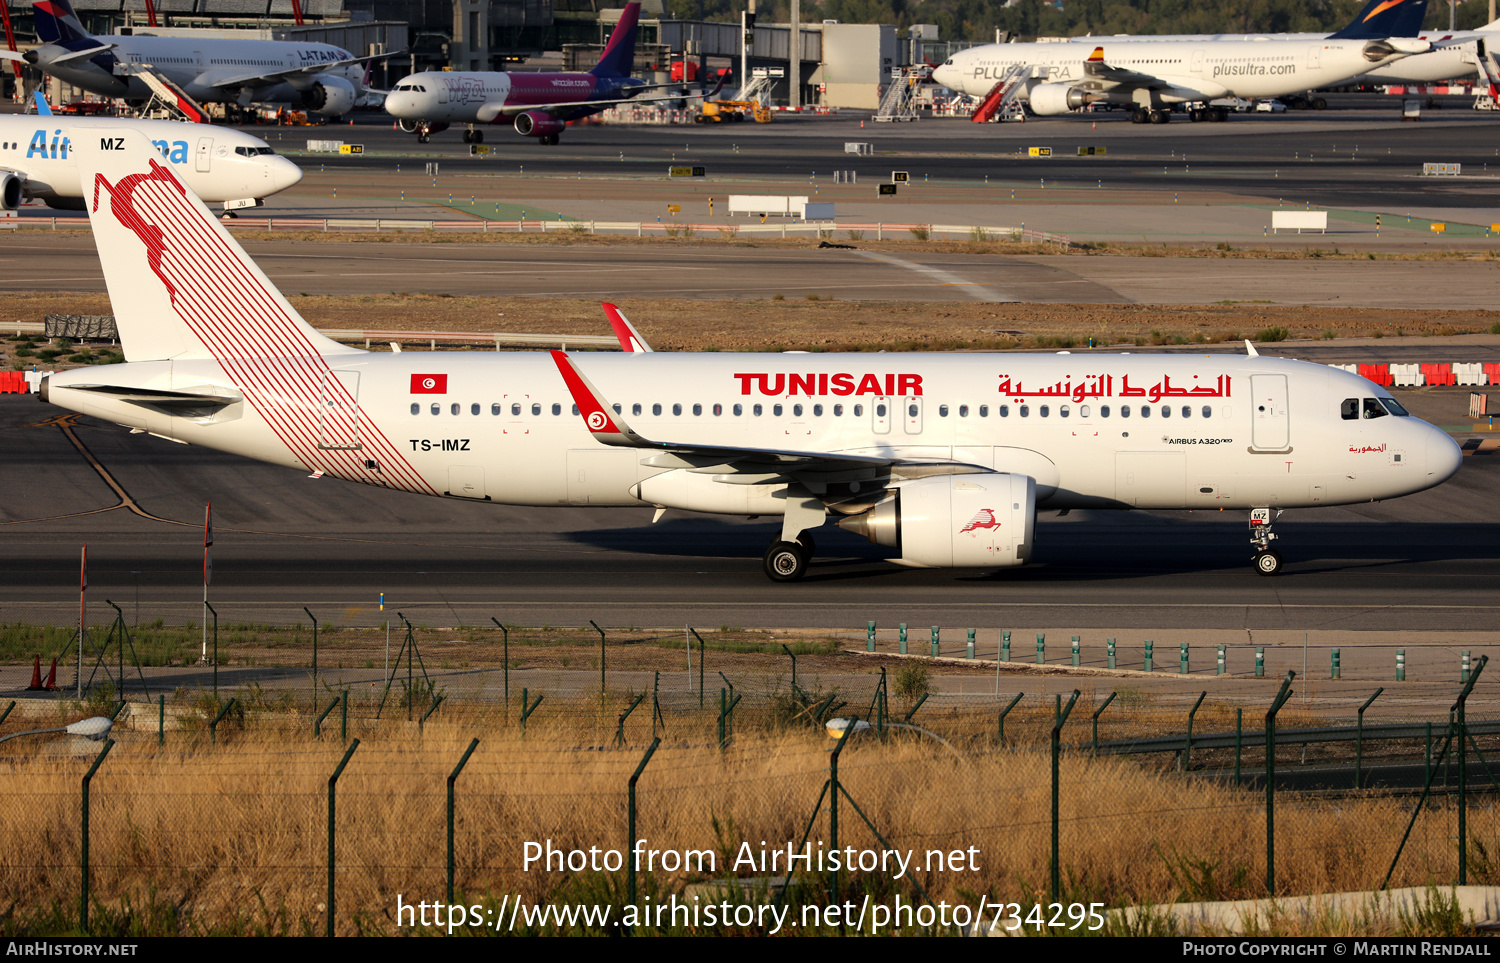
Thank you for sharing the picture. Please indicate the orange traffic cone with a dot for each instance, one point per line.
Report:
(36, 675)
(51, 684)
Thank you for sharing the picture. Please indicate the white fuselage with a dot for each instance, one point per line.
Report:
(1094, 430)
(202, 66)
(219, 163)
(1449, 62)
(1186, 71)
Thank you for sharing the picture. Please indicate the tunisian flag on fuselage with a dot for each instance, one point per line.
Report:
(429, 384)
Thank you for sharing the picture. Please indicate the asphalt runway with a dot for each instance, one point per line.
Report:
(68, 262)
(1356, 154)
(1424, 563)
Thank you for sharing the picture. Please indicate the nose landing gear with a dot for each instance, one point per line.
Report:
(1267, 561)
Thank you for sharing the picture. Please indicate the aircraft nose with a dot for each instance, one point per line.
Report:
(1443, 456)
(282, 173)
(944, 75)
(399, 104)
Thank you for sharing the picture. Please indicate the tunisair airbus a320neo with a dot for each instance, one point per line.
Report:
(945, 458)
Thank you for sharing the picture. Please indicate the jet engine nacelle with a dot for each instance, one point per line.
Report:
(330, 96)
(1051, 99)
(983, 520)
(11, 191)
(536, 123)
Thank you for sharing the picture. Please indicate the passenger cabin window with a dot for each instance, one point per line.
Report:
(416, 408)
(474, 409)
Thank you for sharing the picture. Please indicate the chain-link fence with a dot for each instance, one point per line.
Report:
(524, 781)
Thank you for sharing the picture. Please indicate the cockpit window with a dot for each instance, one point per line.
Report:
(1349, 409)
(1394, 407)
(253, 151)
(1373, 409)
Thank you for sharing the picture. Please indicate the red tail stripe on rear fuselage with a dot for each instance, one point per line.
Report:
(213, 276)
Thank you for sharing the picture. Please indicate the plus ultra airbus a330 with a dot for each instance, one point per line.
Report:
(945, 458)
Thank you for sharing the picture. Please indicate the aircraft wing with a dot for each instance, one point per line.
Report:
(760, 464)
(244, 78)
(1096, 69)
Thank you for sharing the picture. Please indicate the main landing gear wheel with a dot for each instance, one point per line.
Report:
(786, 561)
(808, 545)
(1268, 562)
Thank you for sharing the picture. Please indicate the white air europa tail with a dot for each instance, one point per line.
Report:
(183, 290)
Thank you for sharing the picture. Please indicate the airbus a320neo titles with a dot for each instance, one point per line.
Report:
(944, 458)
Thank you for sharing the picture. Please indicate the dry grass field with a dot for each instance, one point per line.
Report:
(231, 837)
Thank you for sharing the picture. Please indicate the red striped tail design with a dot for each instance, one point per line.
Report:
(184, 289)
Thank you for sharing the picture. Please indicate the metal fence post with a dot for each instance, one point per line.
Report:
(601, 655)
(505, 657)
(315, 654)
(1005, 712)
(83, 904)
(1094, 751)
(1281, 697)
(1187, 749)
(332, 837)
(1148, 655)
(1005, 646)
(453, 778)
(1359, 739)
(630, 833)
(1062, 717)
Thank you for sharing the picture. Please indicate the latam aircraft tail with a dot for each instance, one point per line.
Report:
(57, 23)
(181, 287)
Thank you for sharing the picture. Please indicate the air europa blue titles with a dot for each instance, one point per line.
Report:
(57, 148)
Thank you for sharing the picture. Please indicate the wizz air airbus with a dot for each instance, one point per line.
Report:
(945, 458)
(537, 104)
(38, 160)
(1153, 76)
(323, 78)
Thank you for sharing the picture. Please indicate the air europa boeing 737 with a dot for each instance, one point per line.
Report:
(945, 458)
